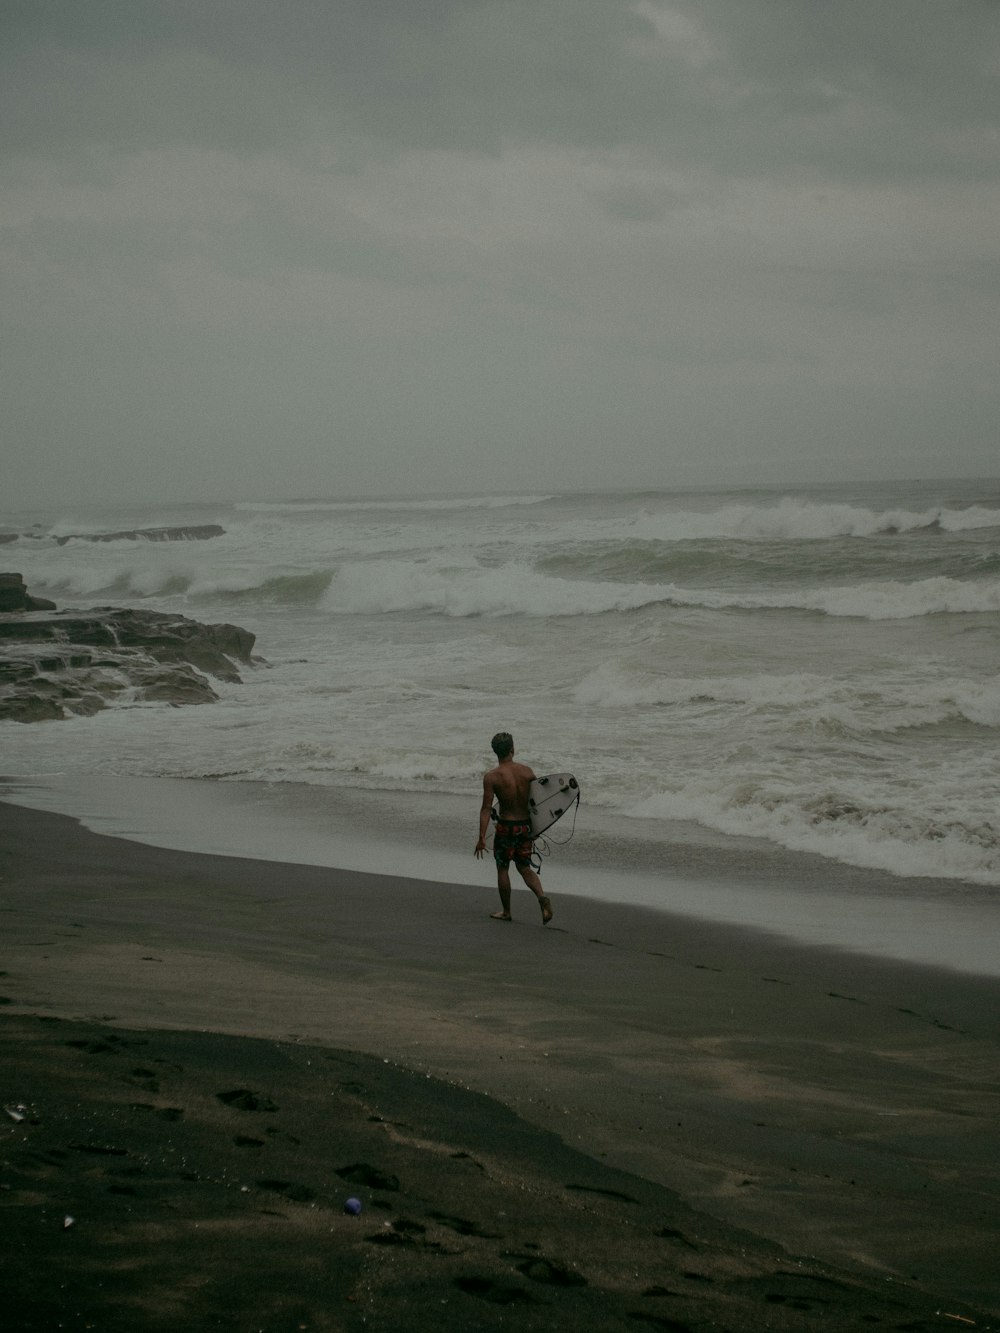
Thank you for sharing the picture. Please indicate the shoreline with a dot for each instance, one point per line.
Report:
(687, 871)
(838, 1106)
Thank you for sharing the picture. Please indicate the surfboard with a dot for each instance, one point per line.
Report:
(549, 798)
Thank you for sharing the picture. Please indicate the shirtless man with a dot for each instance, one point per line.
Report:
(508, 784)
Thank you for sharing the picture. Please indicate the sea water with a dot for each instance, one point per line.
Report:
(809, 671)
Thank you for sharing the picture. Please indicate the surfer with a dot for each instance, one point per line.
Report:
(508, 784)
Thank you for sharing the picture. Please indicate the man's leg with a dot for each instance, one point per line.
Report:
(535, 885)
(503, 885)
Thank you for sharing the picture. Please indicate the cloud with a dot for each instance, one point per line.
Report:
(729, 235)
(846, 86)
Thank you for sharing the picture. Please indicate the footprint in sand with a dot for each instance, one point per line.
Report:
(171, 1113)
(463, 1226)
(361, 1173)
(243, 1099)
(539, 1269)
(607, 1194)
(660, 1321)
(671, 1233)
(464, 1157)
(497, 1293)
(404, 1231)
(289, 1189)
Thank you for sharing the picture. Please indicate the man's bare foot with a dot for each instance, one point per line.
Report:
(500, 916)
(546, 907)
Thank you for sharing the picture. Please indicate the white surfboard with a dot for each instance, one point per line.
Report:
(549, 798)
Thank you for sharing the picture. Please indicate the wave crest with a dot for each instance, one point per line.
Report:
(466, 588)
(855, 829)
(802, 520)
(469, 589)
(868, 707)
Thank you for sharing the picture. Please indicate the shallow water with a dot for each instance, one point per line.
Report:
(741, 881)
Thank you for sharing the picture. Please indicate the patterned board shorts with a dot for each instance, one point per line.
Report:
(512, 842)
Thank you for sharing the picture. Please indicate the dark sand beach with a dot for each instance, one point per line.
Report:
(623, 1120)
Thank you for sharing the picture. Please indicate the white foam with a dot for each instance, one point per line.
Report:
(872, 703)
(792, 519)
(612, 686)
(958, 840)
(457, 585)
(462, 587)
(893, 600)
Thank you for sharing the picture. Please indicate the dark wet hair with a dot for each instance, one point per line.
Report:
(502, 744)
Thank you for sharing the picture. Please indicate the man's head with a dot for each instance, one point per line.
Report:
(503, 744)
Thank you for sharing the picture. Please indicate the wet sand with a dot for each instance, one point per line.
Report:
(624, 1118)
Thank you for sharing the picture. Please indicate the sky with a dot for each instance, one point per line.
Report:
(386, 247)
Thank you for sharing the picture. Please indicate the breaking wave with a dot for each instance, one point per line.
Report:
(790, 519)
(857, 829)
(804, 520)
(870, 706)
(468, 589)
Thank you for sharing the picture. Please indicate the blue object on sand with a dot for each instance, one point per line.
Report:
(352, 1206)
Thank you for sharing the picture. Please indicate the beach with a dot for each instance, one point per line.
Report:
(385, 378)
(625, 1117)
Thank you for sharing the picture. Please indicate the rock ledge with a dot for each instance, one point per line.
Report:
(55, 664)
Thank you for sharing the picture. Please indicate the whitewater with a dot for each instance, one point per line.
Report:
(812, 670)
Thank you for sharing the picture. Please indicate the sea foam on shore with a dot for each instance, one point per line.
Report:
(684, 870)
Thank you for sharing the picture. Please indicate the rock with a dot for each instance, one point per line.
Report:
(178, 684)
(77, 662)
(165, 637)
(14, 596)
(198, 532)
(190, 532)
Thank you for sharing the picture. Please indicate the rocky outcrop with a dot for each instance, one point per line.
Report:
(14, 596)
(196, 533)
(57, 663)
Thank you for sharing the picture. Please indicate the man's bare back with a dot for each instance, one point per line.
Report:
(508, 785)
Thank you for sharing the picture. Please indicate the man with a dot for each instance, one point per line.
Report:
(508, 784)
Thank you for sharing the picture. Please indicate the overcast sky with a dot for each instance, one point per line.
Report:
(332, 247)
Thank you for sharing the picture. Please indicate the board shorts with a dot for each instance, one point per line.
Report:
(512, 842)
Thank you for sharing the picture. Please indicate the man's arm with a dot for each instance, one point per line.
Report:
(485, 810)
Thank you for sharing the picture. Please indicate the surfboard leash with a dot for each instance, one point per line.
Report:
(548, 843)
(539, 853)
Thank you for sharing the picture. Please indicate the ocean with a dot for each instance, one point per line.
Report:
(804, 680)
